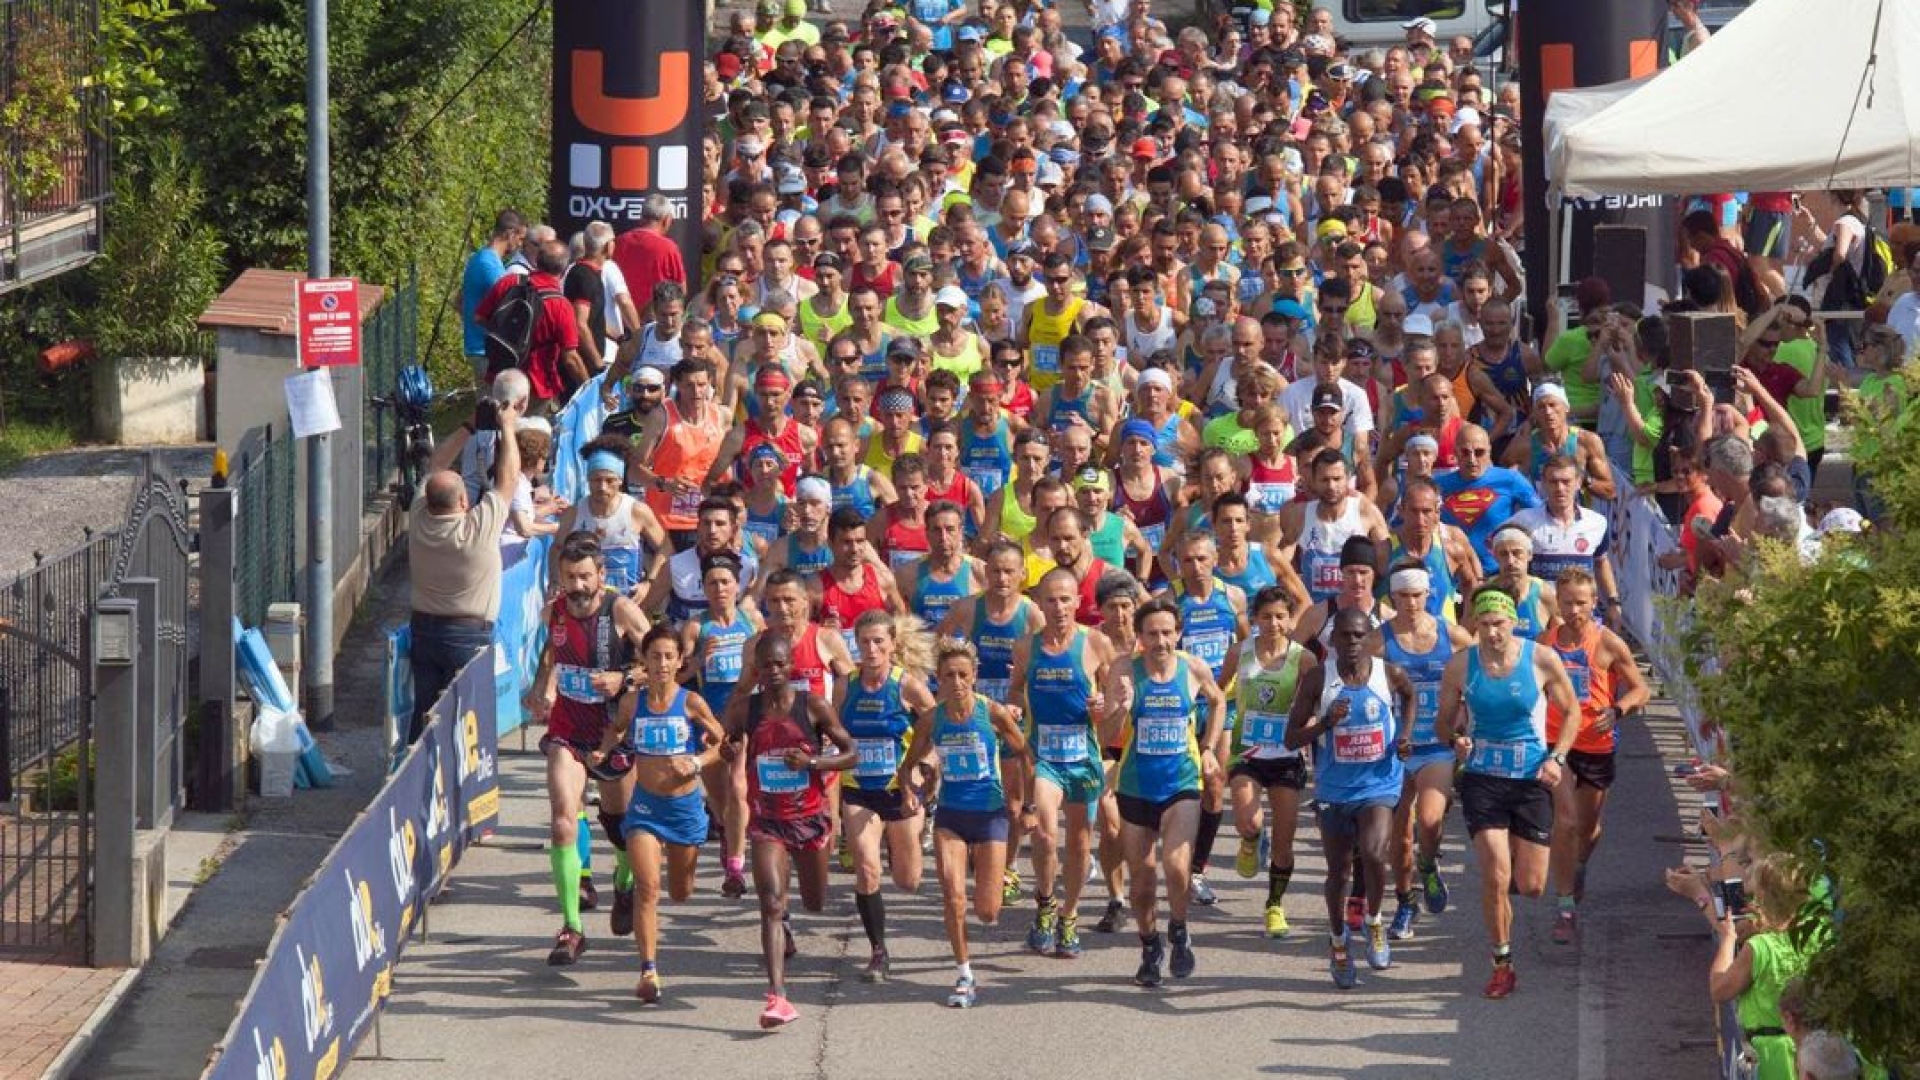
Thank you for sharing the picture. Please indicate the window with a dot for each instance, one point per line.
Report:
(1402, 10)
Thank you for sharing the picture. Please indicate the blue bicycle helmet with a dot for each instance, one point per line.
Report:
(415, 388)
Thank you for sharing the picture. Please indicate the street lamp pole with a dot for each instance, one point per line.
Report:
(319, 636)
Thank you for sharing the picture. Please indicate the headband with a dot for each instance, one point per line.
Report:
(1412, 579)
(1423, 442)
(606, 461)
(1495, 602)
(772, 378)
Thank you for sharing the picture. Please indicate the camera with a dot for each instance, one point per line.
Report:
(486, 415)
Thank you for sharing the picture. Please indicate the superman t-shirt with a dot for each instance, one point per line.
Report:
(1481, 505)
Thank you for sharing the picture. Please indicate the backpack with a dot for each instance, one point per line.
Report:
(1848, 290)
(510, 329)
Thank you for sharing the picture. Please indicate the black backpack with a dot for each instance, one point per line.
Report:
(510, 328)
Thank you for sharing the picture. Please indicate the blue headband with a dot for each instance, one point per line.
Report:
(606, 461)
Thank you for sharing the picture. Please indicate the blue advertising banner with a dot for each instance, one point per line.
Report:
(330, 966)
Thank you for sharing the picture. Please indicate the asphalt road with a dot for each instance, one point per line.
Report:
(477, 998)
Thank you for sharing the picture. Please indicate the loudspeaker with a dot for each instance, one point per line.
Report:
(1705, 341)
(1620, 259)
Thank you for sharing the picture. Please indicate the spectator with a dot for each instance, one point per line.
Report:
(453, 551)
(646, 254)
(485, 267)
(552, 363)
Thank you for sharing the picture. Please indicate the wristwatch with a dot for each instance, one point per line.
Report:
(1557, 758)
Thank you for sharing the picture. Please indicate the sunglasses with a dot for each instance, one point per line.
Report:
(1294, 271)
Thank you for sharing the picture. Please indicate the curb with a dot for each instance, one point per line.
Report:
(82, 1041)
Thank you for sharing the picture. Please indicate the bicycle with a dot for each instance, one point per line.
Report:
(413, 402)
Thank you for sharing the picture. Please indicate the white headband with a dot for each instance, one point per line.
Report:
(1412, 579)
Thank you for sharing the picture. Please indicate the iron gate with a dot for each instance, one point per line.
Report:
(46, 716)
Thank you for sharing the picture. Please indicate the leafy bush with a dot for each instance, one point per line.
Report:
(162, 264)
(1818, 684)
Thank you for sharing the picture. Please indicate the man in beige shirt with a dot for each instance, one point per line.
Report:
(453, 550)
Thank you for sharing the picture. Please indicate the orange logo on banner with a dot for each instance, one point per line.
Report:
(629, 168)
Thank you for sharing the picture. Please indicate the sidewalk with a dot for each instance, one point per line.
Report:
(42, 1007)
(167, 1022)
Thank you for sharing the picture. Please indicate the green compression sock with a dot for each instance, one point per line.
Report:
(622, 872)
(565, 860)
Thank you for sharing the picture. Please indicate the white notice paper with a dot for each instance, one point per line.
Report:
(310, 403)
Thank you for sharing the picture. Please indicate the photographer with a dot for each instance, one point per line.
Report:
(453, 552)
(473, 444)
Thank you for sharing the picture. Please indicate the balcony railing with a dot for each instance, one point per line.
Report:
(53, 178)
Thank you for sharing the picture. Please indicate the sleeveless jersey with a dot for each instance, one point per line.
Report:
(810, 673)
(920, 327)
(767, 526)
(930, 598)
(987, 460)
(582, 647)
(1509, 718)
(847, 605)
(775, 792)
(1358, 760)
(1264, 695)
(720, 653)
(1256, 575)
(787, 442)
(1271, 487)
(969, 752)
(881, 728)
(1015, 522)
(807, 564)
(1320, 544)
(1532, 615)
(856, 493)
(1059, 726)
(1592, 688)
(1142, 344)
(1424, 671)
(663, 733)
(1045, 335)
(1161, 756)
(995, 641)
(1538, 453)
(1062, 410)
(1207, 627)
(820, 329)
(686, 451)
(1151, 514)
(1109, 540)
(620, 542)
(902, 543)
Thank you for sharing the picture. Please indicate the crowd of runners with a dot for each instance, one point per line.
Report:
(1074, 452)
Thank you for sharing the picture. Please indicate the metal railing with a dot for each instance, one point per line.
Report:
(53, 151)
(264, 567)
(389, 342)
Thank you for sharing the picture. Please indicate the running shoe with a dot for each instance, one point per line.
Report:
(620, 920)
(1403, 918)
(1435, 889)
(878, 967)
(1010, 886)
(1566, 928)
(568, 944)
(1502, 983)
(733, 886)
(778, 1013)
(1068, 945)
(650, 989)
(589, 896)
(1277, 921)
(1041, 938)
(1356, 913)
(964, 994)
(1202, 893)
(1183, 960)
(1110, 918)
(1151, 953)
(1246, 862)
(1340, 964)
(1379, 953)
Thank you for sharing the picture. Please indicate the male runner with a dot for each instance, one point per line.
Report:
(1213, 622)
(1312, 532)
(1262, 763)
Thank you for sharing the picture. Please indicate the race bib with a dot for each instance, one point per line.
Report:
(1065, 745)
(1510, 760)
(987, 478)
(1210, 646)
(1361, 745)
(878, 757)
(1160, 736)
(897, 560)
(775, 778)
(685, 502)
(1155, 535)
(576, 684)
(657, 736)
(1323, 574)
(623, 567)
(1269, 498)
(964, 759)
(722, 666)
(993, 689)
(853, 646)
(1582, 677)
(1265, 731)
(1046, 358)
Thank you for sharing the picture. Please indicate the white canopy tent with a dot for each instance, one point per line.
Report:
(1788, 96)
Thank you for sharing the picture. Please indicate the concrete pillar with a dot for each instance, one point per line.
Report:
(116, 914)
(219, 763)
(153, 799)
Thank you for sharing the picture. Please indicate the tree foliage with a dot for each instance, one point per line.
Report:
(1817, 681)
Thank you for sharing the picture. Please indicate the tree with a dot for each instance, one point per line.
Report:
(1817, 682)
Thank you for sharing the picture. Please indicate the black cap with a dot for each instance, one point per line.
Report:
(1328, 397)
(1100, 238)
(827, 259)
(1358, 551)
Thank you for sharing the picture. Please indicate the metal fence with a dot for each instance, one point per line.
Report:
(264, 567)
(389, 342)
(53, 158)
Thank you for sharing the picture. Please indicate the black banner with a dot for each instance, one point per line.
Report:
(627, 101)
(329, 970)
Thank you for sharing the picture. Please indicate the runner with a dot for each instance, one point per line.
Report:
(854, 583)
(804, 549)
(854, 483)
(899, 533)
(781, 729)
(1607, 683)
(1068, 547)
(584, 669)
(1568, 536)
(1504, 684)
(1312, 533)
(1354, 713)
(945, 480)
(974, 737)
(714, 645)
(878, 707)
(943, 577)
(1262, 764)
(1479, 496)
(1213, 622)
(1120, 595)
(1115, 540)
(1249, 565)
(676, 447)
(1549, 435)
(1420, 644)
(1443, 550)
(669, 738)
(1056, 678)
(632, 543)
(1533, 598)
(679, 591)
(1167, 713)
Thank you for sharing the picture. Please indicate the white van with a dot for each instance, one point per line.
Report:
(1375, 23)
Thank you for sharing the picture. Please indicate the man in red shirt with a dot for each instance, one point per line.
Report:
(645, 254)
(553, 363)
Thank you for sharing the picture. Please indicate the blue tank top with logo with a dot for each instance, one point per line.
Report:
(666, 733)
(807, 564)
(1358, 759)
(987, 459)
(995, 643)
(722, 649)
(1162, 757)
(1256, 575)
(1509, 718)
(1058, 690)
(1207, 627)
(933, 598)
(880, 725)
(969, 752)
(858, 494)
(1424, 671)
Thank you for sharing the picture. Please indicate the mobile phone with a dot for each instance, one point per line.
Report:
(1733, 893)
(1686, 769)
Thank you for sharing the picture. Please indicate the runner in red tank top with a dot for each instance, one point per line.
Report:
(782, 734)
(1067, 541)
(854, 583)
(900, 531)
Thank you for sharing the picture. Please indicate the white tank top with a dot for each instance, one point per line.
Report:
(1320, 546)
(656, 352)
(1141, 345)
(615, 530)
